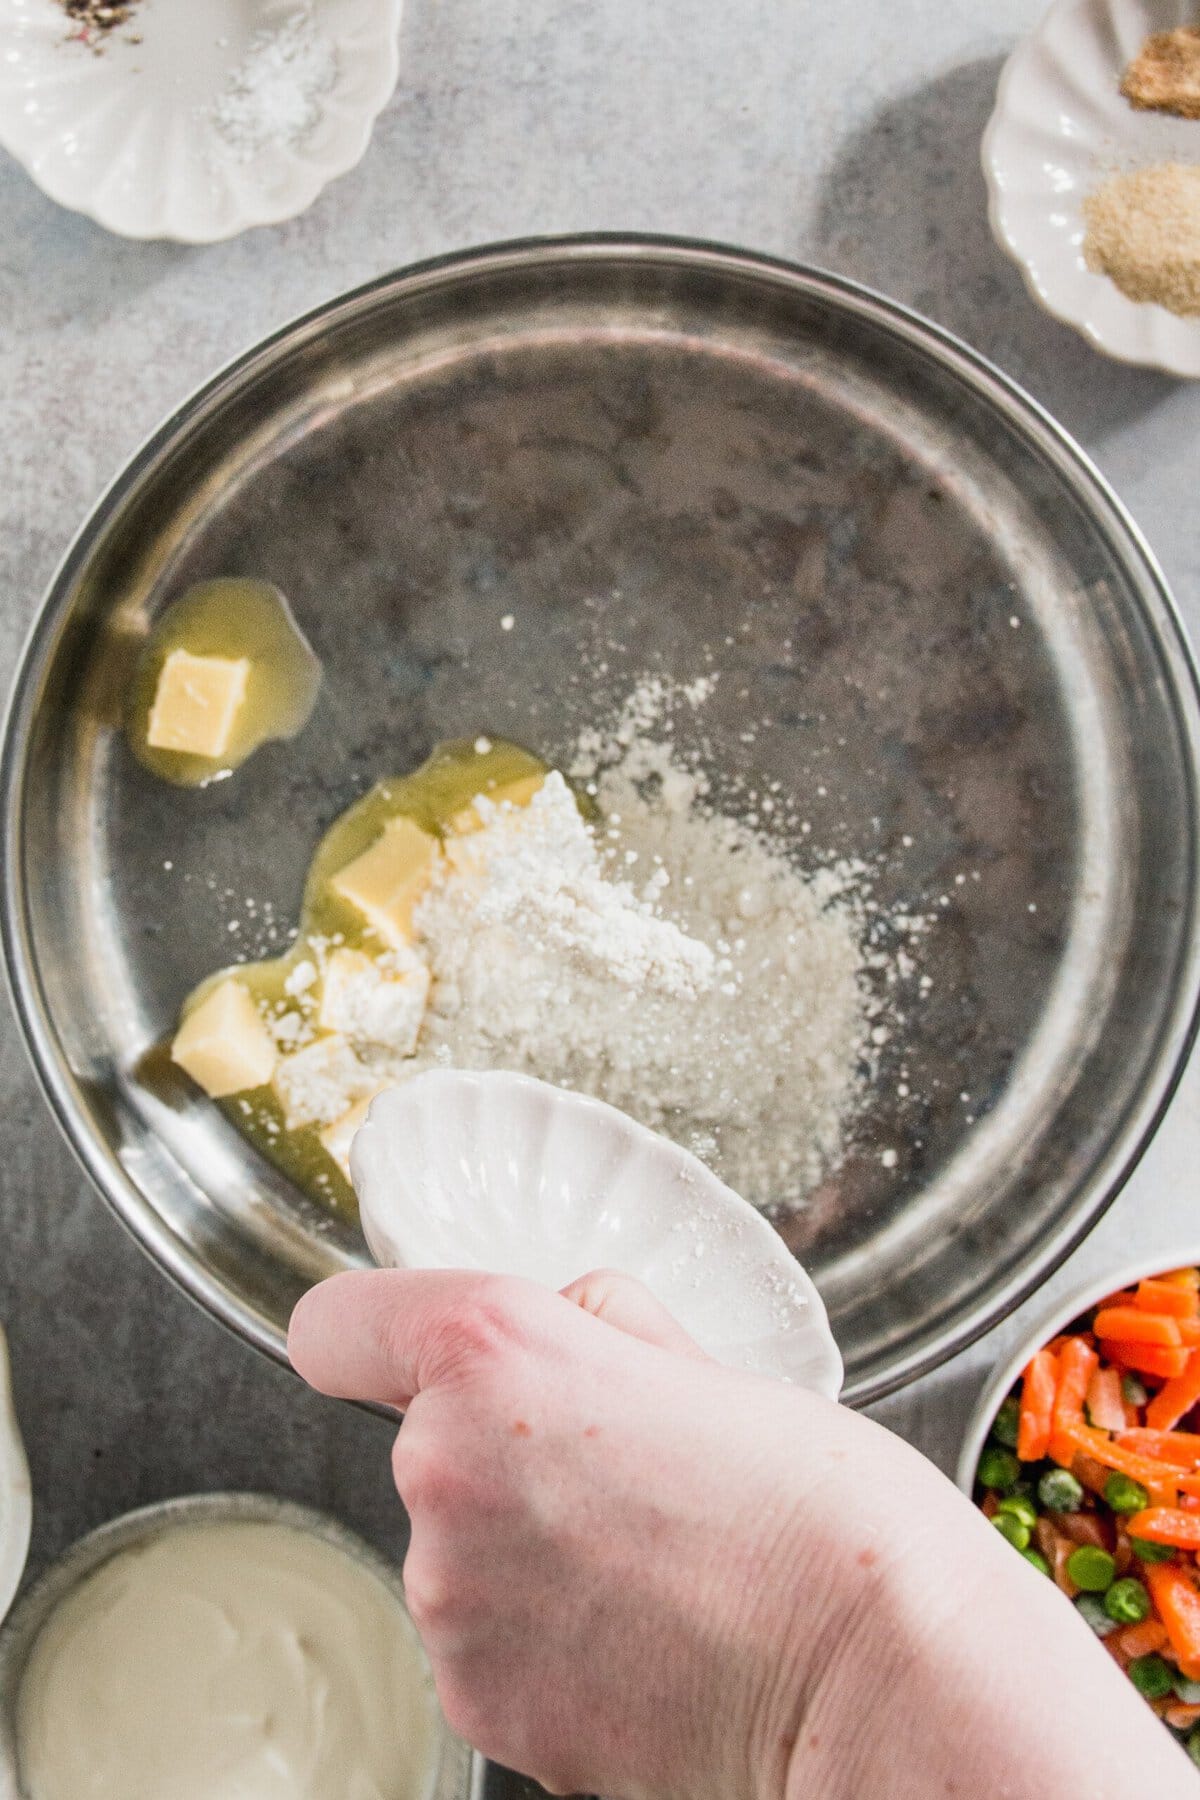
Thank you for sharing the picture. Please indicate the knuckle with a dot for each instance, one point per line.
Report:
(483, 1328)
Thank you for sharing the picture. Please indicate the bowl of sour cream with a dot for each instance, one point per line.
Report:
(221, 1643)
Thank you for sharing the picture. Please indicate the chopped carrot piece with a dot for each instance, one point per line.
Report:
(1166, 1525)
(1189, 1488)
(1177, 1602)
(1186, 1278)
(1037, 1407)
(1160, 1480)
(1181, 1717)
(1126, 1297)
(1105, 1404)
(1189, 1331)
(1131, 1641)
(1134, 1326)
(1167, 1298)
(1076, 1361)
(1148, 1359)
(1178, 1396)
(1182, 1448)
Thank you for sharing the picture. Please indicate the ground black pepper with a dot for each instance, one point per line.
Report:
(95, 18)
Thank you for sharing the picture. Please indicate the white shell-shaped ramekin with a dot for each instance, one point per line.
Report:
(501, 1172)
(16, 1509)
(1050, 1323)
(125, 133)
(1061, 126)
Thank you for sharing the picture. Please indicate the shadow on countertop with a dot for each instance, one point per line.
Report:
(903, 208)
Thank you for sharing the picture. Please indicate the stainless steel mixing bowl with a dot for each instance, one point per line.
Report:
(644, 451)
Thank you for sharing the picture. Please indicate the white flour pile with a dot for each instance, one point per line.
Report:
(668, 959)
(726, 1009)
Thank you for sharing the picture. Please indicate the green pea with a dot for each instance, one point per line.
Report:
(1127, 1601)
(1192, 1744)
(1187, 1691)
(1125, 1495)
(1007, 1423)
(1147, 1552)
(1090, 1608)
(1015, 1530)
(1019, 1507)
(1133, 1391)
(1152, 1677)
(1091, 1569)
(998, 1469)
(1037, 1561)
(1059, 1490)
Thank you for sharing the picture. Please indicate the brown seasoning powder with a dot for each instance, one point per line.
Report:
(1143, 231)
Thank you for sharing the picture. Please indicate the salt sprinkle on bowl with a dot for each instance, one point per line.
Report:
(194, 121)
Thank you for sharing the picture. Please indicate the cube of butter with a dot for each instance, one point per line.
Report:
(509, 793)
(338, 1137)
(375, 1001)
(387, 880)
(196, 702)
(224, 1044)
(315, 1085)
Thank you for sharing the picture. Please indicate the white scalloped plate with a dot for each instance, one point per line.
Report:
(16, 1507)
(502, 1172)
(1060, 127)
(125, 134)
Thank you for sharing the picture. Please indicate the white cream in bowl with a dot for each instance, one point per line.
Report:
(228, 1657)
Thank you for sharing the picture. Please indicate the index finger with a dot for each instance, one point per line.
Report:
(383, 1334)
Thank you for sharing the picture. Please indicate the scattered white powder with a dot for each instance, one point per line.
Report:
(673, 961)
(274, 94)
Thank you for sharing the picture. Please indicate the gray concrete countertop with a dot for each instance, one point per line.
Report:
(773, 124)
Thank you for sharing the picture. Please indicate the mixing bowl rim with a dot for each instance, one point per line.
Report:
(1177, 1032)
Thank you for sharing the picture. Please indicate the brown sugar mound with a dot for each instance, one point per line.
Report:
(1143, 231)
(1164, 76)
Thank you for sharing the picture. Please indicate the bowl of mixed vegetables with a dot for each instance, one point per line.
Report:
(1085, 1455)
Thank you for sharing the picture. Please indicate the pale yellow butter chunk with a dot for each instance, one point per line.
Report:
(378, 1002)
(196, 703)
(509, 793)
(387, 880)
(338, 1137)
(224, 1044)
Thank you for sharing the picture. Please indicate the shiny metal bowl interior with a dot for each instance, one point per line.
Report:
(654, 448)
(459, 1775)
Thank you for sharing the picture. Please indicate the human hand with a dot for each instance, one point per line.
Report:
(642, 1574)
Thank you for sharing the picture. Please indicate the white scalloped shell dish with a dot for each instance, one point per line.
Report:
(1060, 127)
(505, 1173)
(16, 1508)
(195, 119)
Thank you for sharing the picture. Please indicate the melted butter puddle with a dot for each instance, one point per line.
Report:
(232, 619)
(444, 786)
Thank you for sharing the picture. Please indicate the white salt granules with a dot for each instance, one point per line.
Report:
(274, 95)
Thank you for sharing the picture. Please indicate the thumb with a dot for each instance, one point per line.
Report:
(382, 1334)
(625, 1304)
